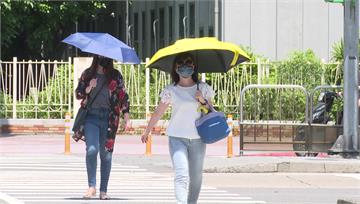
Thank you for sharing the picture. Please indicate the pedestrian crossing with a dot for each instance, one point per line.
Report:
(63, 179)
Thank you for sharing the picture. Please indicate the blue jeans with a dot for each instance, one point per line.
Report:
(187, 156)
(96, 125)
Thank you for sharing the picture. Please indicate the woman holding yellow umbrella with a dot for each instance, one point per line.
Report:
(184, 60)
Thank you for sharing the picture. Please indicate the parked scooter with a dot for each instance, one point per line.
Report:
(320, 116)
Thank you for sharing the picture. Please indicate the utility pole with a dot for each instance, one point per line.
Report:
(351, 37)
(348, 145)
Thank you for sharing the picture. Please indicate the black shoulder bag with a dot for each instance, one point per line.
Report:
(82, 112)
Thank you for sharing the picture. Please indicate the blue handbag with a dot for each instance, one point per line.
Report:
(213, 126)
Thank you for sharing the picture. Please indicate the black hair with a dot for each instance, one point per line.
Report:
(108, 71)
(175, 76)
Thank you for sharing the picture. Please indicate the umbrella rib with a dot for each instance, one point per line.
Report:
(221, 60)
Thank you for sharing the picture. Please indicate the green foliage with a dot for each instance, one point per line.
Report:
(274, 104)
(5, 104)
(253, 56)
(302, 68)
(49, 102)
(337, 55)
(337, 108)
(34, 29)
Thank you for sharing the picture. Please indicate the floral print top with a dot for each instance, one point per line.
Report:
(118, 100)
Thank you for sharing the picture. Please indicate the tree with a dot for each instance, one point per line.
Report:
(34, 29)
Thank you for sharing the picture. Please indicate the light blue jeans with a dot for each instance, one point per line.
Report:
(187, 156)
(96, 125)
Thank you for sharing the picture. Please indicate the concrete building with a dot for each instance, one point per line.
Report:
(272, 28)
(156, 24)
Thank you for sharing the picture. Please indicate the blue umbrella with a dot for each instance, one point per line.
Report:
(105, 45)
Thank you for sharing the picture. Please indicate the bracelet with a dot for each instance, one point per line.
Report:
(203, 103)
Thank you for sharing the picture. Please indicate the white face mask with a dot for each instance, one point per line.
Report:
(185, 71)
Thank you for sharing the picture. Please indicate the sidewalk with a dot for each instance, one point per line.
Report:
(130, 150)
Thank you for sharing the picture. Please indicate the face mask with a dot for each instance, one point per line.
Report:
(185, 71)
(104, 62)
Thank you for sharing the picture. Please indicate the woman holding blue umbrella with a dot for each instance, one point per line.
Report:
(104, 87)
(102, 91)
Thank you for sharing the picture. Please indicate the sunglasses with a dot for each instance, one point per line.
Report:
(187, 61)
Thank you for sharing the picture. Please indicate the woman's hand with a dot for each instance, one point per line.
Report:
(159, 112)
(92, 85)
(199, 97)
(144, 137)
(127, 121)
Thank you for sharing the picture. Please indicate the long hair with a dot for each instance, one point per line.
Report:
(91, 71)
(175, 76)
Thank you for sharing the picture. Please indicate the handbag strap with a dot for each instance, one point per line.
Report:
(206, 101)
(96, 94)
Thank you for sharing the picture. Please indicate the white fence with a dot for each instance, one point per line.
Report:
(35, 89)
(44, 89)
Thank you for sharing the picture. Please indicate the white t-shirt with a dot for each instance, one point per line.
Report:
(184, 108)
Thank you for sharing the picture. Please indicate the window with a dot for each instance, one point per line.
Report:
(192, 20)
(181, 25)
(136, 31)
(211, 31)
(152, 17)
(121, 29)
(170, 25)
(143, 25)
(143, 31)
(161, 27)
(201, 32)
(152, 14)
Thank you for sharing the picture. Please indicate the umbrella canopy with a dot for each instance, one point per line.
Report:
(105, 45)
(210, 55)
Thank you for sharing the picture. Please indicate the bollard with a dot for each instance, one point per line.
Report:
(67, 132)
(230, 137)
(149, 141)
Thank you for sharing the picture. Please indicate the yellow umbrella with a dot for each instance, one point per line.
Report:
(210, 55)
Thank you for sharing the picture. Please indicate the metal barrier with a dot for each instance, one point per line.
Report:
(275, 124)
(322, 135)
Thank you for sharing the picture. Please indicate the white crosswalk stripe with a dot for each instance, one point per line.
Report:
(63, 179)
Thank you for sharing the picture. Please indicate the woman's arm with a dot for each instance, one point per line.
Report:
(205, 94)
(82, 89)
(199, 96)
(159, 112)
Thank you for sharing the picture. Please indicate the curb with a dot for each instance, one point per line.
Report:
(348, 201)
(6, 199)
(283, 166)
